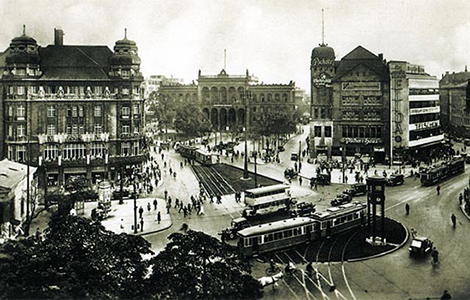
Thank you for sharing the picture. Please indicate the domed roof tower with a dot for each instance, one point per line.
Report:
(125, 62)
(23, 57)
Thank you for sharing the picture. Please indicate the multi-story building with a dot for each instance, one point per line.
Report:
(72, 109)
(350, 103)
(15, 179)
(415, 111)
(226, 99)
(152, 83)
(454, 93)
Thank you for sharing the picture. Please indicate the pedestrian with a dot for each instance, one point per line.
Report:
(201, 210)
(454, 220)
(460, 198)
(407, 208)
(219, 199)
(169, 201)
(121, 225)
(438, 189)
(166, 194)
(174, 175)
(446, 296)
(141, 224)
(159, 217)
(171, 171)
(155, 203)
(177, 202)
(300, 180)
(141, 211)
(149, 207)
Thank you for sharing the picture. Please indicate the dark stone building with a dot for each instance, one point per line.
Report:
(72, 110)
(350, 104)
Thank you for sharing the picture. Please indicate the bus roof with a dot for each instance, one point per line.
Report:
(267, 189)
(334, 212)
(274, 226)
(267, 199)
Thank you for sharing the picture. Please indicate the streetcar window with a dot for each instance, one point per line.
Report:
(247, 242)
(297, 231)
(278, 236)
(350, 217)
(287, 233)
(269, 237)
(260, 239)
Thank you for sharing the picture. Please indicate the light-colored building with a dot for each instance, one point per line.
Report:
(153, 83)
(415, 111)
(13, 196)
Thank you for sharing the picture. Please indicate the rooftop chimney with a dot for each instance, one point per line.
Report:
(58, 37)
(381, 56)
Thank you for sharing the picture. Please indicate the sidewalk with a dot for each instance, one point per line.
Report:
(123, 214)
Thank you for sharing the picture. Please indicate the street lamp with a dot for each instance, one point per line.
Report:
(135, 200)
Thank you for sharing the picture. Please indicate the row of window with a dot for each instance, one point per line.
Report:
(367, 116)
(317, 131)
(72, 151)
(424, 118)
(75, 129)
(361, 131)
(321, 113)
(73, 111)
(366, 100)
(278, 235)
(69, 90)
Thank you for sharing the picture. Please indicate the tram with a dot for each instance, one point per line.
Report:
(282, 234)
(441, 171)
(199, 155)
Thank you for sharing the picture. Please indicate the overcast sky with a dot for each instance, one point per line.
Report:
(271, 38)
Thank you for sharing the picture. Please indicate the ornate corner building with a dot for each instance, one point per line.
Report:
(349, 103)
(226, 100)
(72, 110)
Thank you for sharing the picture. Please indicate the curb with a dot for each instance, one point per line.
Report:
(154, 231)
(386, 252)
(462, 208)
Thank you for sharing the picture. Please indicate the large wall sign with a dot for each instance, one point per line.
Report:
(361, 86)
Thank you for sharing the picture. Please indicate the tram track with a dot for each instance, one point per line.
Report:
(212, 182)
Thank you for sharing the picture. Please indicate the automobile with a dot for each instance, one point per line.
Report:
(357, 189)
(290, 173)
(280, 148)
(341, 199)
(395, 179)
(303, 209)
(420, 245)
(466, 142)
(204, 142)
(236, 225)
(294, 156)
(323, 179)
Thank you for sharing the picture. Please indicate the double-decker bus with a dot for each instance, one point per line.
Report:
(252, 194)
(266, 200)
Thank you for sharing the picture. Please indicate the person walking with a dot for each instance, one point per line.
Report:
(454, 220)
(149, 207)
(407, 208)
(300, 180)
(159, 217)
(155, 203)
(438, 190)
(141, 211)
(141, 224)
(460, 199)
(166, 194)
(201, 210)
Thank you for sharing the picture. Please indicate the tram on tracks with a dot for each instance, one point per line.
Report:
(199, 155)
(282, 234)
(441, 171)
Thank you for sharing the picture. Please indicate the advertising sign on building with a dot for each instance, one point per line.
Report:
(361, 86)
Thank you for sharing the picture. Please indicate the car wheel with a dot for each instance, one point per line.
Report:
(231, 235)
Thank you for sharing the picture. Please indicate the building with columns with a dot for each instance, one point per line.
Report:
(72, 109)
(226, 99)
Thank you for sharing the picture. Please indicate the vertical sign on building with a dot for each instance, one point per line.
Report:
(397, 78)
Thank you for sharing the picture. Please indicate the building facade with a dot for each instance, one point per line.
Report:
(454, 94)
(226, 100)
(350, 104)
(415, 111)
(14, 204)
(72, 110)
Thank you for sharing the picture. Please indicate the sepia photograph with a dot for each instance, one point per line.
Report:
(250, 149)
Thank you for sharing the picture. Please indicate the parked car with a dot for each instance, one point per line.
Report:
(237, 224)
(323, 179)
(303, 209)
(294, 156)
(395, 179)
(420, 246)
(357, 189)
(341, 199)
(290, 173)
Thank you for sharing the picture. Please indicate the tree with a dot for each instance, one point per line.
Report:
(197, 266)
(190, 120)
(164, 108)
(76, 259)
(275, 123)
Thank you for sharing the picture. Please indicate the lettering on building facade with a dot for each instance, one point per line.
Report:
(359, 140)
(361, 86)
